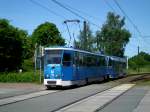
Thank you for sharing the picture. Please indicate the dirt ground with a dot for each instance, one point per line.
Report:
(143, 80)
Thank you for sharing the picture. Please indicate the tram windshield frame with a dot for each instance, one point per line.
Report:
(53, 56)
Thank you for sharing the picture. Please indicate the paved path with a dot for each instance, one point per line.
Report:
(136, 99)
(14, 89)
(97, 101)
(24, 97)
(144, 105)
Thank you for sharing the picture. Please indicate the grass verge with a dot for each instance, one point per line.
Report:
(145, 69)
(144, 81)
(20, 77)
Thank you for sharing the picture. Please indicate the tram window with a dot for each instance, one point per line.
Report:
(53, 56)
(124, 65)
(84, 59)
(93, 60)
(98, 61)
(110, 62)
(101, 61)
(54, 60)
(88, 60)
(81, 59)
(76, 58)
(66, 59)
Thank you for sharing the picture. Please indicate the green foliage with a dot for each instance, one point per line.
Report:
(11, 46)
(113, 37)
(19, 77)
(15, 46)
(141, 60)
(28, 65)
(28, 47)
(85, 40)
(47, 34)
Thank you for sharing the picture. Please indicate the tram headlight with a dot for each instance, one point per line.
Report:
(58, 76)
(47, 76)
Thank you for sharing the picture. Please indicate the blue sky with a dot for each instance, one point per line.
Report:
(27, 15)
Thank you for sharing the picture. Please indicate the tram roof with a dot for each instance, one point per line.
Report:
(73, 49)
(118, 59)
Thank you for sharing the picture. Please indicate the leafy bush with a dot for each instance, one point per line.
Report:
(145, 69)
(28, 65)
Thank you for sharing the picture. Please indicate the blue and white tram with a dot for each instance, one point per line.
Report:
(69, 66)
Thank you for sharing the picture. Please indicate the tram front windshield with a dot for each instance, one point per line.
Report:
(53, 56)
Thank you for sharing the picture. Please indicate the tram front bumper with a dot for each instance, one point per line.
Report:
(57, 82)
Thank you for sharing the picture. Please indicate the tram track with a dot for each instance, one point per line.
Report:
(130, 79)
(79, 100)
(98, 101)
(73, 95)
(142, 75)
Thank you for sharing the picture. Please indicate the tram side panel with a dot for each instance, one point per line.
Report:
(116, 67)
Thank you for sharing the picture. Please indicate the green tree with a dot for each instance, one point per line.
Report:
(141, 60)
(11, 46)
(113, 37)
(85, 39)
(27, 44)
(47, 34)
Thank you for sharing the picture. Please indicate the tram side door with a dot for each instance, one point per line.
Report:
(67, 71)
